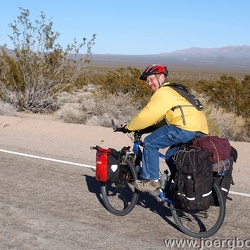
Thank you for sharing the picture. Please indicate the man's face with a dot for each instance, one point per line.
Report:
(153, 82)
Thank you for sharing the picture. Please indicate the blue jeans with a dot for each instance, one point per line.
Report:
(165, 136)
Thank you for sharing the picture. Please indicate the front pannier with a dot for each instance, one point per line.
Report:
(193, 178)
(107, 164)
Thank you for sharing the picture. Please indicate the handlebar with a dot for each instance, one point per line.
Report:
(118, 129)
(137, 132)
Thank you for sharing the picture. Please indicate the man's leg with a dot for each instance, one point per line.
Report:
(161, 138)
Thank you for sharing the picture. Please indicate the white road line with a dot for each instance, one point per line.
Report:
(81, 165)
(47, 159)
(237, 193)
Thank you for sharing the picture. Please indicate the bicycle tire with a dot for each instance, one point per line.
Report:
(121, 197)
(201, 224)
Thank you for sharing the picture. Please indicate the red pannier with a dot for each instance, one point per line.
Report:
(107, 164)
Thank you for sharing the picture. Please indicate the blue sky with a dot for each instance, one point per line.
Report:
(135, 27)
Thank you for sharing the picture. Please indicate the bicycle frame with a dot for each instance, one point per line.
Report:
(137, 149)
(137, 143)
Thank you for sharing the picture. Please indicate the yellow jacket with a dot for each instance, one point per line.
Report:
(160, 107)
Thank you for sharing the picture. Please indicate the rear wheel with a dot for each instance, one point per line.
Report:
(201, 224)
(121, 197)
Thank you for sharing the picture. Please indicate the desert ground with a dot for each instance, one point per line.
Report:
(57, 205)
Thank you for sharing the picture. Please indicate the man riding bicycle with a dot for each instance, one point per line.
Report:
(175, 122)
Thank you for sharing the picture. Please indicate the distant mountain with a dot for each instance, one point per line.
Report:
(226, 51)
(230, 59)
(9, 51)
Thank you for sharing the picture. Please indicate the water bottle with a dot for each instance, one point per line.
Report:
(164, 179)
(138, 168)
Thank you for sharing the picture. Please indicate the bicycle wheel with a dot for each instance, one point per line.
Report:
(121, 197)
(201, 224)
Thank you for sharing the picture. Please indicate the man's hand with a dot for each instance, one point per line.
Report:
(125, 129)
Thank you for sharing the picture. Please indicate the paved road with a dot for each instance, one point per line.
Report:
(48, 205)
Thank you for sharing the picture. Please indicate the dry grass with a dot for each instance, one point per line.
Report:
(226, 124)
(95, 108)
(7, 109)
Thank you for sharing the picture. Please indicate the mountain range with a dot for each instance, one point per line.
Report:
(230, 59)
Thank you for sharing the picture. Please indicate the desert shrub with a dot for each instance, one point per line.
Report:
(41, 68)
(120, 107)
(125, 81)
(97, 109)
(71, 114)
(231, 95)
(225, 124)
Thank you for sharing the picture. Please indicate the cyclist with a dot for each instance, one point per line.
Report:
(170, 130)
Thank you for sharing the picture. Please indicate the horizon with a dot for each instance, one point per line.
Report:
(230, 59)
(172, 52)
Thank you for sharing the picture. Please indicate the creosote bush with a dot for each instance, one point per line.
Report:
(230, 94)
(40, 67)
(125, 81)
(97, 109)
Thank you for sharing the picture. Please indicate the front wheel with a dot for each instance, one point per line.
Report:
(121, 197)
(202, 224)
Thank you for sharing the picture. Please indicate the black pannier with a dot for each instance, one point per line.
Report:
(193, 178)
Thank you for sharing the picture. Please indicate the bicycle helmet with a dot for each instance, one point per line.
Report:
(153, 70)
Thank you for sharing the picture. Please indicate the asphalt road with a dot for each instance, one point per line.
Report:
(55, 206)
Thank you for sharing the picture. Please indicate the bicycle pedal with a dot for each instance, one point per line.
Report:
(158, 198)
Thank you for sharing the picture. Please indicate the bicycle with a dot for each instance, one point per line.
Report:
(121, 197)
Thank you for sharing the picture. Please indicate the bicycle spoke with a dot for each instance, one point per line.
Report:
(121, 197)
